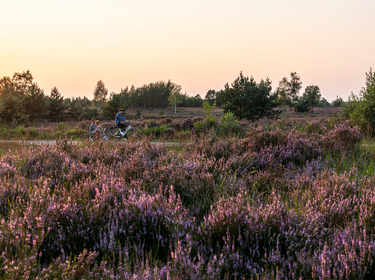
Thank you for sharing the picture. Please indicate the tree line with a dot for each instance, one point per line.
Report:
(22, 100)
(246, 98)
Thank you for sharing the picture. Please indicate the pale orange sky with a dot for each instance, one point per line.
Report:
(200, 45)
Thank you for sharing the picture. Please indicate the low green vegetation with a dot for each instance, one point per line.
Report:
(360, 109)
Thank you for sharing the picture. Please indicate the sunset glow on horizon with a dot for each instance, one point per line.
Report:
(200, 45)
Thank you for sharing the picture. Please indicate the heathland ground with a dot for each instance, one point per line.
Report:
(292, 198)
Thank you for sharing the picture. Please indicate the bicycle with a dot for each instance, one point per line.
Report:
(129, 133)
(99, 134)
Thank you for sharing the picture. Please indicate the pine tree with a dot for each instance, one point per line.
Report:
(35, 103)
(110, 109)
(56, 105)
(248, 99)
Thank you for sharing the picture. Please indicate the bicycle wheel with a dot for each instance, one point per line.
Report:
(114, 132)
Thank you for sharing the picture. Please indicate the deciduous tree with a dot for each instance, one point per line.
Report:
(210, 97)
(22, 82)
(100, 93)
(312, 94)
(288, 90)
(175, 96)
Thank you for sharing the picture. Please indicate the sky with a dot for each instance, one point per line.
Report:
(200, 45)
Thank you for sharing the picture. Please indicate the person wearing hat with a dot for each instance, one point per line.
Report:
(119, 121)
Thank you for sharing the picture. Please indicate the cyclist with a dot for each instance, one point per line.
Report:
(119, 121)
(92, 129)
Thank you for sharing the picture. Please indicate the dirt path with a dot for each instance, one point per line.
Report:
(53, 142)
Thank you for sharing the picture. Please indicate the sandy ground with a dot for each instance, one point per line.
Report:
(53, 142)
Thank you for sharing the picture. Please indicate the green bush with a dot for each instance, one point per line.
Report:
(199, 126)
(209, 122)
(361, 109)
(184, 134)
(3, 132)
(61, 126)
(138, 113)
(33, 132)
(311, 128)
(157, 131)
(229, 125)
(303, 105)
(75, 133)
(20, 130)
(58, 135)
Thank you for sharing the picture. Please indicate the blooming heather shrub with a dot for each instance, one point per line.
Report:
(13, 193)
(336, 197)
(349, 256)
(187, 124)
(6, 169)
(114, 219)
(238, 164)
(296, 151)
(264, 181)
(21, 233)
(152, 223)
(52, 163)
(263, 138)
(314, 127)
(239, 224)
(192, 180)
(366, 205)
(341, 138)
(266, 205)
(212, 148)
(287, 146)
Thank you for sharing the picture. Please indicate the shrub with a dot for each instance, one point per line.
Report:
(341, 138)
(184, 134)
(167, 121)
(200, 126)
(187, 124)
(76, 133)
(361, 109)
(33, 132)
(21, 130)
(266, 205)
(303, 104)
(229, 124)
(3, 132)
(156, 131)
(138, 113)
(62, 126)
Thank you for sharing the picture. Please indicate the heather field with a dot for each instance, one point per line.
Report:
(282, 200)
